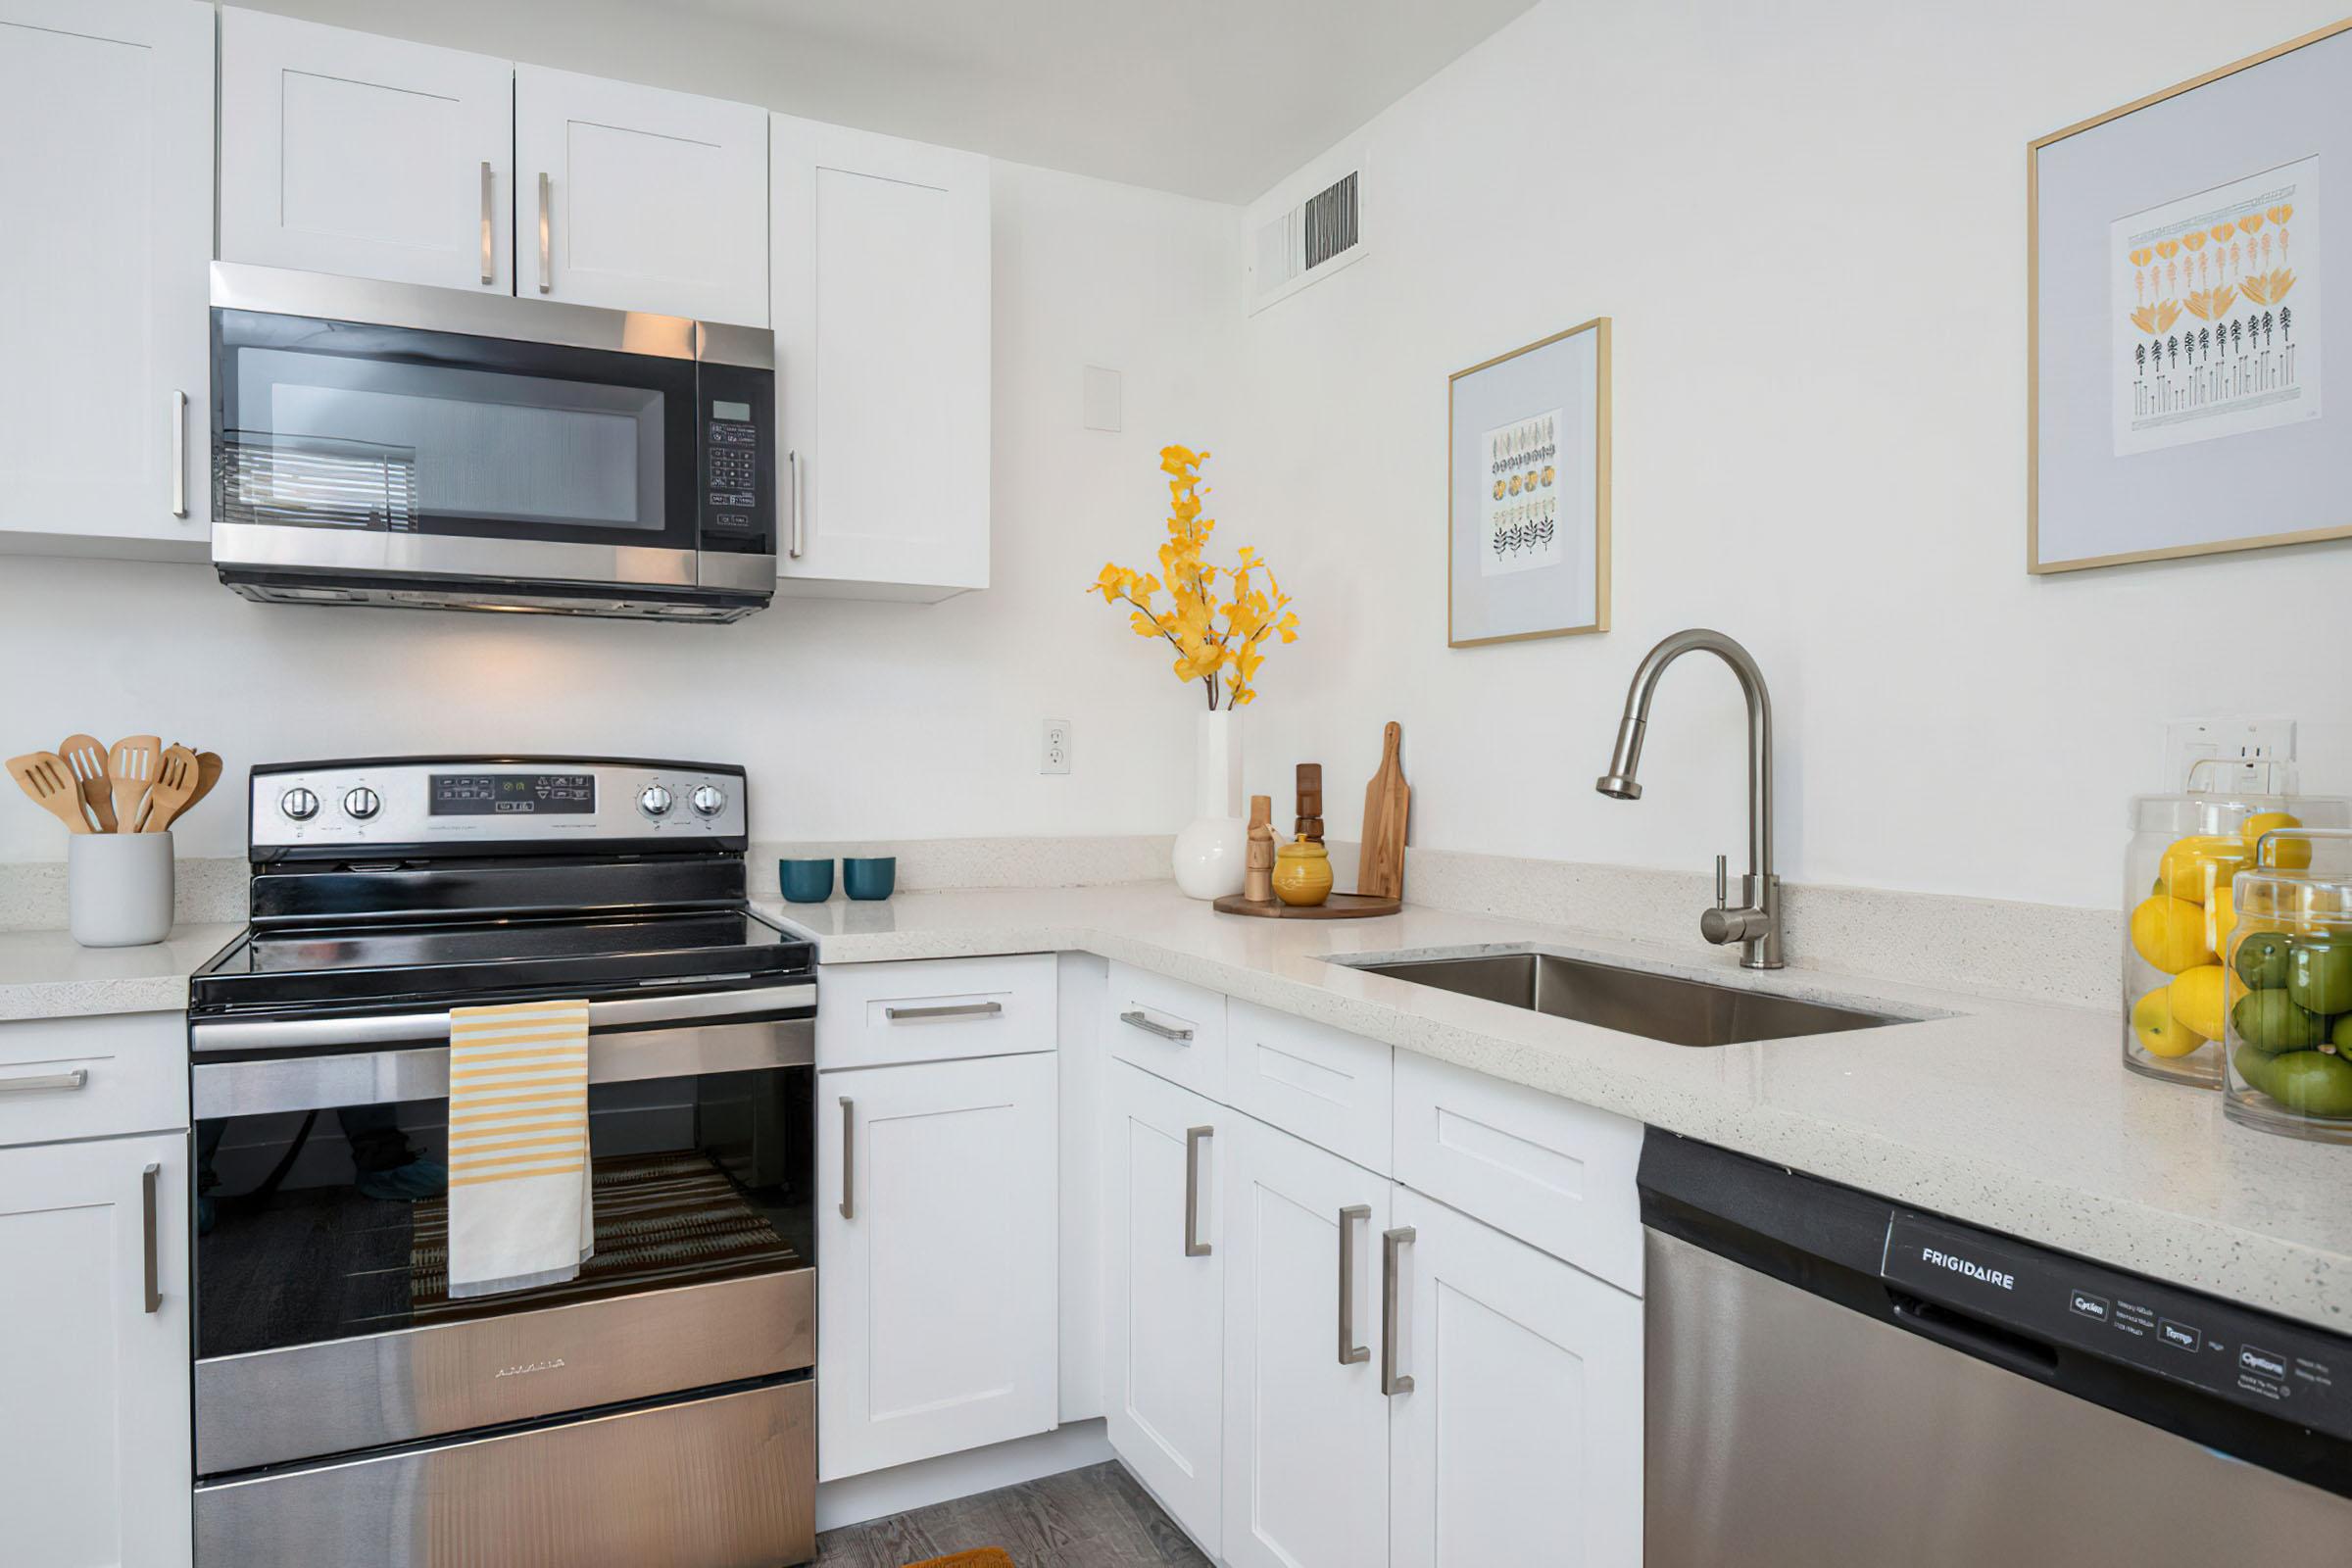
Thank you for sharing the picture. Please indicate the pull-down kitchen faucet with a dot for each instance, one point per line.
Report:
(1756, 923)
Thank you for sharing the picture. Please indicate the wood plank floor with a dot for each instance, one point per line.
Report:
(1092, 1518)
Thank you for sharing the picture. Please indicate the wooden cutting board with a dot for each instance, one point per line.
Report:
(1388, 800)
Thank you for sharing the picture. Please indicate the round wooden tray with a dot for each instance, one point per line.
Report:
(1337, 906)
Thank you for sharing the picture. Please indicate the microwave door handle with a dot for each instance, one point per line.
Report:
(547, 258)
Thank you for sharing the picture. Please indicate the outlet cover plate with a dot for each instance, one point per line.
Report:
(1056, 756)
(2257, 753)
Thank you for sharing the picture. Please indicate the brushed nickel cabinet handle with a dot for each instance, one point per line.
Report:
(489, 262)
(547, 257)
(1153, 1026)
(1351, 1353)
(1391, 1242)
(848, 1158)
(149, 1180)
(792, 505)
(958, 1009)
(180, 454)
(1194, 1138)
(28, 1083)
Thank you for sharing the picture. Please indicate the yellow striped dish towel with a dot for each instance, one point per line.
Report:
(520, 1210)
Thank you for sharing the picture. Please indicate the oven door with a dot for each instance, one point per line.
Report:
(324, 1322)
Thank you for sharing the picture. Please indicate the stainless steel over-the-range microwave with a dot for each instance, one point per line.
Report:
(389, 444)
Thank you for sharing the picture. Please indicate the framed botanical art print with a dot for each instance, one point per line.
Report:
(1527, 550)
(2178, 304)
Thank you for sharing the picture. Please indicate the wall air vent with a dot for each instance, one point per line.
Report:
(1305, 229)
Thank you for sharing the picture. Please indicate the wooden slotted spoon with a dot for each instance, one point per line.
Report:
(85, 758)
(132, 765)
(174, 786)
(50, 783)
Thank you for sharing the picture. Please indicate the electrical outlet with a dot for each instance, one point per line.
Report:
(1056, 755)
(2250, 756)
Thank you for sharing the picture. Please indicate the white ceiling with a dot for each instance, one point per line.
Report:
(1216, 98)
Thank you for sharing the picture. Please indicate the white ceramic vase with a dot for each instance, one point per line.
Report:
(1212, 848)
(119, 888)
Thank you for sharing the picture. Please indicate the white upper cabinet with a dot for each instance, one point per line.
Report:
(637, 199)
(106, 209)
(881, 257)
(343, 152)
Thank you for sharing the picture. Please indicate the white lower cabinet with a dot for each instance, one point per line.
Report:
(94, 1460)
(1520, 1440)
(1163, 1289)
(1306, 1427)
(937, 1230)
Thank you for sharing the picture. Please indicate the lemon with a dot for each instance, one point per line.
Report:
(2221, 918)
(2158, 1032)
(2194, 866)
(2194, 1000)
(2293, 854)
(2169, 933)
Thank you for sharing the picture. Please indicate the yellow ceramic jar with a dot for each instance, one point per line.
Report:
(1301, 873)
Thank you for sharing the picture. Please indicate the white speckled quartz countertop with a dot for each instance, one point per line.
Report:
(2014, 1116)
(47, 974)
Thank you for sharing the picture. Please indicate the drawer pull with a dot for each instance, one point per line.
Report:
(1391, 1381)
(1153, 1026)
(1194, 1138)
(1351, 1353)
(79, 1078)
(957, 1009)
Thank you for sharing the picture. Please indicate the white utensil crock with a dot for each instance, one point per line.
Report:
(119, 888)
(1212, 847)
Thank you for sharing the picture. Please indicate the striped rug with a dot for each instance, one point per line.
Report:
(660, 1220)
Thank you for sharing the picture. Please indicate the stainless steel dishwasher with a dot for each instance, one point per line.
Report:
(1834, 1379)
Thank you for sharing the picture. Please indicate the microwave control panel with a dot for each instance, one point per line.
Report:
(735, 420)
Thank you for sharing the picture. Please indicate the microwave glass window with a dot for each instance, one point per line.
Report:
(443, 441)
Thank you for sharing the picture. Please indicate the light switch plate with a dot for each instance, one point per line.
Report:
(2252, 755)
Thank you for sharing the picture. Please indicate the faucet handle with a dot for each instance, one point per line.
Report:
(1723, 885)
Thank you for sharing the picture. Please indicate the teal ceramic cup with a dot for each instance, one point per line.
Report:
(870, 876)
(805, 881)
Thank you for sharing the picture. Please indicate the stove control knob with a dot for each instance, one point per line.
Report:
(298, 804)
(653, 801)
(709, 799)
(361, 805)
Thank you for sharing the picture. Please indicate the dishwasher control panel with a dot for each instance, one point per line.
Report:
(2036, 1297)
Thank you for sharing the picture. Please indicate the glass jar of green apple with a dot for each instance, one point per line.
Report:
(2180, 914)
(2289, 988)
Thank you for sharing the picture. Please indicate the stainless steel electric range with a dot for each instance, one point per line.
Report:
(660, 1407)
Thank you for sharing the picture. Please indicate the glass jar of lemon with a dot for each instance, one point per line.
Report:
(2180, 915)
(2288, 965)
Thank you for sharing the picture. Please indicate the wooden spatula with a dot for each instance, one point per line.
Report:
(50, 782)
(209, 767)
(175, 787)
(1388, 801)
(85, 758)
(131, 765)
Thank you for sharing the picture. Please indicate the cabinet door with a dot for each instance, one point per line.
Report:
(1520, 1440)
(637, 199)
(100, 1474)
(1164, 1344)
(937, 1230)
(106, 180)
(881, 253)
(1306, 1427)
(343, 152)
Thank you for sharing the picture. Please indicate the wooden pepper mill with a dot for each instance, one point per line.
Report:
(1310, 803)
(1258, 881)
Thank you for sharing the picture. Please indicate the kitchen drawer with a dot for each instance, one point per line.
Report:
(93, 1077)
(934, 1009)
(1553, 1173)
(1322, 1084)
(1169, 1028)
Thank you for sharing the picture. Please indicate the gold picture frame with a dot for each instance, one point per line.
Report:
(2035, 564)
(1599, 327)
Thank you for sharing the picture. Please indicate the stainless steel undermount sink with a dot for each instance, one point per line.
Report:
(1660, 1007)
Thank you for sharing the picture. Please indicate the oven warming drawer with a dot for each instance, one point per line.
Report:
(341, 1396)
(724, 1482)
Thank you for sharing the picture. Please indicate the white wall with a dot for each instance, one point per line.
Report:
(857, 719)
(1807, 220)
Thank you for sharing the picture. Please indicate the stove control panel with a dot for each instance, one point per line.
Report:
(418, 803)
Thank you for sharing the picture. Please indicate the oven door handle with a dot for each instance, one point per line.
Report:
(622, 1012)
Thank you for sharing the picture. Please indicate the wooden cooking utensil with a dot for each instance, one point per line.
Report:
(209, 767)
(132, 765)
(1388, 800)
(50, 783)
(175, 787)
(1310, 803)
(85, 758)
